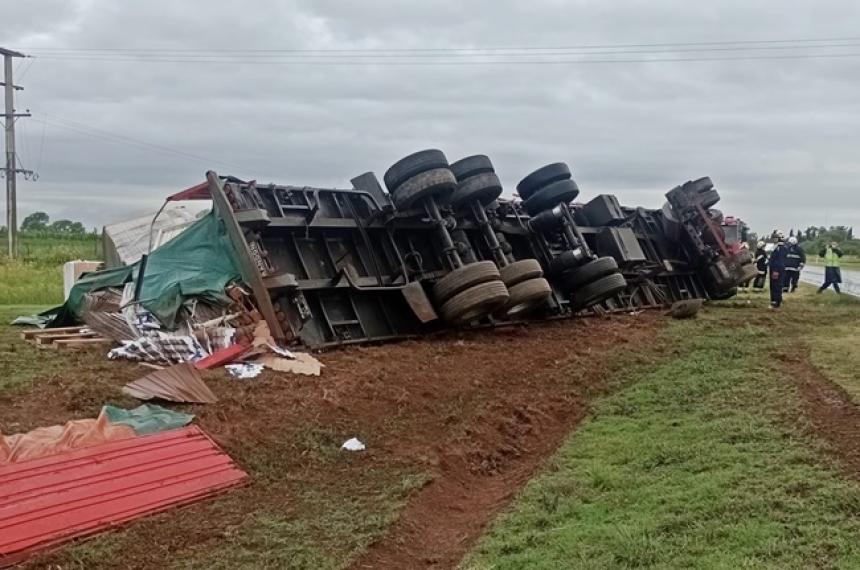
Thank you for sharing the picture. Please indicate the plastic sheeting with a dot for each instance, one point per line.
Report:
(51, 440)
(200, 263)
(147, 418)
(112, 424)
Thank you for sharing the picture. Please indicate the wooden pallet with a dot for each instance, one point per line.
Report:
(65, 337)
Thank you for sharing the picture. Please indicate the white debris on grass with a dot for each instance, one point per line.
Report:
(353, 444)
(244, 370)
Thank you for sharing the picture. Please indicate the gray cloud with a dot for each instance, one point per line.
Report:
(780, 137)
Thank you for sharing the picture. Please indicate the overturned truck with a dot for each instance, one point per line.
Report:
(441, 248)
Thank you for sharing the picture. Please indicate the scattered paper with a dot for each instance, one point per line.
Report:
(282, 351)
(301, 363)
(353, 444)
(244, 370)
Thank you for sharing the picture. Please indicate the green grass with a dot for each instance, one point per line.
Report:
(693, 464)
(35, 277)
(18, 367)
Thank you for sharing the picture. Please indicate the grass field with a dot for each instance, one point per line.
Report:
(697, 463)
(36, 276)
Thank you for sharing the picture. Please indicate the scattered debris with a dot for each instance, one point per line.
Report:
(301, 363)
(112, 424)
(161, 348)
(51, 440)
(353, 444)
(179, 383)
(105, 485)
(244, 370)
(221, 357)
(147, 418)
(685, 309)
(66, 337)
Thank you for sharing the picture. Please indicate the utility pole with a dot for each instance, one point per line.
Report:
(11, 169)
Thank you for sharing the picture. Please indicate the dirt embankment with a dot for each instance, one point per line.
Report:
(478, 411)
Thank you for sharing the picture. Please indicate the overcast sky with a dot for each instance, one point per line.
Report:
(780, 137)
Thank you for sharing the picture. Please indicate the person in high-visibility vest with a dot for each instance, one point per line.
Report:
(832, 273)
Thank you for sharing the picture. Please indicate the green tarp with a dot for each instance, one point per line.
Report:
(147, 418)
(199, 262)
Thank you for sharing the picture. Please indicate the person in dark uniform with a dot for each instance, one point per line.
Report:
(795, 259)
(760, 265)
(832, 273)
(776, 265)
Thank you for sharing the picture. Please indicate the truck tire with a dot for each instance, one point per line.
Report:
(483, 188)
(472, 166)
(701, 185)
(563, 261)
(598, 291)
(415, 163)
(475, 302)
(463, 278)
(589, 272)
(709, 198)
(527, 295)
(438, 182)
(519, 271)
(551, 195)
(542, 177)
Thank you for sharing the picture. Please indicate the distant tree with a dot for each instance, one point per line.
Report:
(851, 233)
(37, 221)
(67, 227)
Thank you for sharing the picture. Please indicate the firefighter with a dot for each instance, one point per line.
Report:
(832, 273)
(795, 259)
(776, 265)
(760, 265)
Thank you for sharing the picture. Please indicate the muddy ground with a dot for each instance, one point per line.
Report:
(476, 413)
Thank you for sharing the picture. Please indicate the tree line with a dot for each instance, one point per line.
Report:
(814, 238)
(40, 224)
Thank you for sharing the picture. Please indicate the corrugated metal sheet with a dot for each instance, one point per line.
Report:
(54, 499)
(129, 240)
(177, 383)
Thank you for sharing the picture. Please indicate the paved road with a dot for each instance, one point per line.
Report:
(814, 274)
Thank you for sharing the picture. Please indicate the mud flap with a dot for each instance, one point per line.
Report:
(419, 302)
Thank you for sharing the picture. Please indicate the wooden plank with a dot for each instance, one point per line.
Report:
(30, 333)
(50, 338)
(80, 343)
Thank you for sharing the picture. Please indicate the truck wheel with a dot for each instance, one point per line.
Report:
(415, 163)
(709, 198)
(527, 295)
(598, 291)
(701, 185)
(475, 302)
(472, 166)
(542, 177)
(438, 182)
(591, 271)
(519, 271)
(464, 277)
(484, 188)
(551, 195)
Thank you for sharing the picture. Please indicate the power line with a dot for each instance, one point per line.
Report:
(447, 49)
(382, 63)
(109, 136)
(398, 55)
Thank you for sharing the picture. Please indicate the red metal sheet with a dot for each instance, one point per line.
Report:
(198, 192)
(53, 499)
